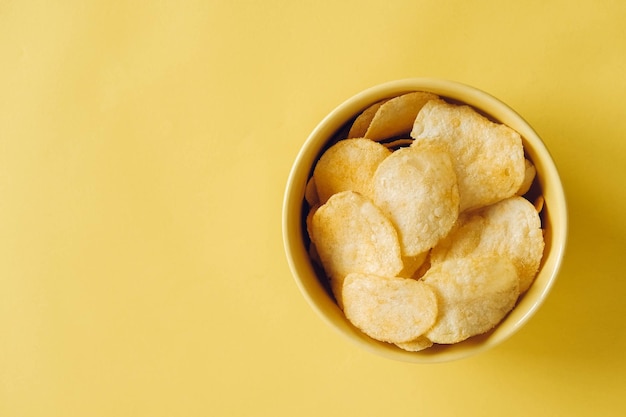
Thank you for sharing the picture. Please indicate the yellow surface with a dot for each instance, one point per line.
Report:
(144, 150)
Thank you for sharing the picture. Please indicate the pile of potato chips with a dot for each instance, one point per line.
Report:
(418, 218)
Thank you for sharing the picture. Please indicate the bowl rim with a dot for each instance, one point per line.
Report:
(293, 202)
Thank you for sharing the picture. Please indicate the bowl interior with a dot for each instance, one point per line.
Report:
(554, 218)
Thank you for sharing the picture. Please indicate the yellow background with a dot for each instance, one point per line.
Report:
(144, 151)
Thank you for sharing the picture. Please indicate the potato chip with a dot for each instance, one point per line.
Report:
(398, 143)
(488, 157)
(309, 219)
(412, 265)
(416, 188)
(529, 176)
(473, 294)
(348, 165)
(310, 193)
(389, 309)
(315, 257)
(509, 229)
(416, 345)
(363, 120)
(539, 203)
(351, 234)
(421, 271)
(463, 240)
(396, 116)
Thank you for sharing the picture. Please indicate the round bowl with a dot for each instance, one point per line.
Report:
(554, 218)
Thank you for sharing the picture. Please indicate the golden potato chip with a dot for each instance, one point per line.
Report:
(473, 294)
(421, 271)
(398, 143)
(389, 309)
(509, 229)
(363, 120)
(348, 165)
(529, 176)
(416, 188)
(351, 234)
(309, 219)
(488, 157)
(396, 116)
(416, 345)
(310, 193)
(412, 264)
(463, 240)
(539, 202)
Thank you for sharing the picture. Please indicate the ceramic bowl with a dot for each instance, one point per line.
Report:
(311, 283)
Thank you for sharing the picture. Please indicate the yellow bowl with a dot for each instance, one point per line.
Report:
(554, 218)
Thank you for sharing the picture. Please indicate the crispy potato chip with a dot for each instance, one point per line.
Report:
(363, 120)
(416, 345)
(396, 116)
(315, 257)
(310, 193)
(509, 229)
(473, 294)
(488, 157)
(398, 143)
(463, 240)
(529, 176)
(539, 202)
(309, 219)
(421, 271)
(413, 264)
(312, 249)
(348, 165)
(351, 234)
(389, 309)
(416, 188)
